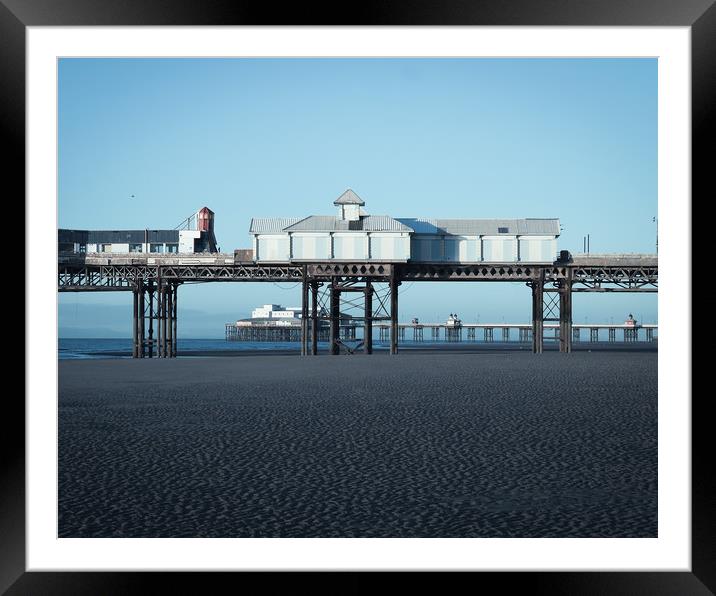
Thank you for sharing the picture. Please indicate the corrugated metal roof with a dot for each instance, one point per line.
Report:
(349, 198)
(383, 223)
(318, 223)
(329, 223)
(268, 225)
(538, 226)
(79, 236)
(483, 227)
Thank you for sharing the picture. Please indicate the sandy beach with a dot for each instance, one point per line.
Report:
(452, 444)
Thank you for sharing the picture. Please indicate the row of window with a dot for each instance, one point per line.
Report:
(155, 248)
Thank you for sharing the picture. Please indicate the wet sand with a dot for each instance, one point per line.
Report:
(409, 347)
(502, 444)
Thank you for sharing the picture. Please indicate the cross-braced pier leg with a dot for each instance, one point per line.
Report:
(304, 314)
(537, 314)
(335, 317)
(565, 314)
(155, 301)
(552, 305)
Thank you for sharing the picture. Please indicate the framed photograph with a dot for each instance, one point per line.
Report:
(593, 536)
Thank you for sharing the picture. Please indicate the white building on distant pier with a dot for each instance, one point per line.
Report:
(276, 311)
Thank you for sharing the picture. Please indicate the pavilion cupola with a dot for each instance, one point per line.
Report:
(349, 206)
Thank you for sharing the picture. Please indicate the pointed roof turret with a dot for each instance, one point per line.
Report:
(349, 198)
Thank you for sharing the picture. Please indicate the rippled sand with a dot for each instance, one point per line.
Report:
(418, 445)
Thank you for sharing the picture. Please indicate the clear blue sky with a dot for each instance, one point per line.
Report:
(568, 138)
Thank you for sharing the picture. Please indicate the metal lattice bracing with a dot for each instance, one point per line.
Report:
(585, 279)
(616, 279)
(478, 272)
(233, 273)
(350, 302)
(550, 306)
(552, 302)
(356, 270)
(125, 277)
(99, 278)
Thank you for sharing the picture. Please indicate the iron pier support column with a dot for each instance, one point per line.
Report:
(135, 323)
(170, 319)
(158, 317)
(565, 314)
(304, 314)
(150, 339)
(174, 320)
(142, 312)
(538, 313)
(314, 318)
(163, 321)
(335, 318)
(394, 312)
(368, 328)
(159, 311)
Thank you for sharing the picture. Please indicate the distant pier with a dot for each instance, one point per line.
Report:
(292, 333)
(441, 332)
(275, 323)
(490, 332)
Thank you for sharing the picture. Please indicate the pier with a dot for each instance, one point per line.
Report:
(491, 332)
(154, 281)
(440, 332)
(293, 333)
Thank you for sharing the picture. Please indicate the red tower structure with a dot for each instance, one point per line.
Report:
(205, 225)
(205, 220)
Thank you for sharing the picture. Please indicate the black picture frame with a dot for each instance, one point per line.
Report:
(16, 15)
